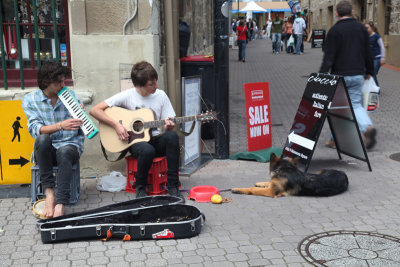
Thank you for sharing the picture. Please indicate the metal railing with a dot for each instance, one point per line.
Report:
(16, 25)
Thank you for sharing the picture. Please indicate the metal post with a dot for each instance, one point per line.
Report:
(17, 30)
(221, 69)
(3, 54)
(36, 34)
(57, 44)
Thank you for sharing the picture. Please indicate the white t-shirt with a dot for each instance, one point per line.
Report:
(132, 100)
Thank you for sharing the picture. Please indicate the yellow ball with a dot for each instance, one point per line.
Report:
(216, 199)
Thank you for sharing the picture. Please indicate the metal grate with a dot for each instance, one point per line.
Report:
(350, 248)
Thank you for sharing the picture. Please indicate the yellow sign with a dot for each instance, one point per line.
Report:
(16, 144)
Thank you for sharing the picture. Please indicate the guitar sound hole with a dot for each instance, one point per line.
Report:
(137, 126)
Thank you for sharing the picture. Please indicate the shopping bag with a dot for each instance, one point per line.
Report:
(290, 41)
(370, 95)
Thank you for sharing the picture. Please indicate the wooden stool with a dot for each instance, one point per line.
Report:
(37, 191)
(156, 181)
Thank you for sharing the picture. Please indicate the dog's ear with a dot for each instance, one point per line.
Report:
(273, 160)
(294, 161)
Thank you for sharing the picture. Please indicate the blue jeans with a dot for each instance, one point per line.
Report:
(242, 49)
(299, 41)
(276, 41)
(354, 86)
(377, 66)
(166, 144)
(46, 157)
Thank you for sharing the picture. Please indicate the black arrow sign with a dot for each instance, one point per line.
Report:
(21, 161)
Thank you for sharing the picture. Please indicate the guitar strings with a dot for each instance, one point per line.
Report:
(208, 109)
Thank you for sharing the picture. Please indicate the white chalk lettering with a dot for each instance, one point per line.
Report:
(320, 97)
(318, 105)
(317, 114)
(301, 155)
(322, 80)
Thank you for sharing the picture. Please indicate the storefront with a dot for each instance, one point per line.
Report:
(33, 31)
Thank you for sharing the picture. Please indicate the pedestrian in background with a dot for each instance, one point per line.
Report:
(377, 48)
(347, 53)
(277, 28)
(288, 32)
(241, 32)
(299, 26)
(269, 26)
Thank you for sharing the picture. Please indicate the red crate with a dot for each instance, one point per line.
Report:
(156, 181)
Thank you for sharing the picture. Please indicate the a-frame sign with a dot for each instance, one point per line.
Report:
(325, 96)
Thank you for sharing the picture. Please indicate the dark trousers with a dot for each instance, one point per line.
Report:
(377, 66)
(64, 158)
(242, 49)
(166, 144)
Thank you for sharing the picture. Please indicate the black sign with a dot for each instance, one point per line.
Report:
(325, 96)
(318, 38)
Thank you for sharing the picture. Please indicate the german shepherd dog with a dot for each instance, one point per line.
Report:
(288, 180)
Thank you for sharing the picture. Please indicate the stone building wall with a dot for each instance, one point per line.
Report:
(199, 15)
(323, 17)
(394, 27)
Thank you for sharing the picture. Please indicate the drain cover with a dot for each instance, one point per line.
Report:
(395, 156)
(351, 248)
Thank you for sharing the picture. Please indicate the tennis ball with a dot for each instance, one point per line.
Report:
(216, 199)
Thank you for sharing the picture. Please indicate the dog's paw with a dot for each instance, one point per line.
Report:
(236, 191)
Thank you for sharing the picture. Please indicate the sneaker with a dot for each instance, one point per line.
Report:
(174, 191)
(370, 137)
(330, 144)
(141, 192)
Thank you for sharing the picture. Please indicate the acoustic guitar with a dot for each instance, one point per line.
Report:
(138, 124)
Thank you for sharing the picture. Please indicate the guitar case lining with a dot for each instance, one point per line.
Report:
(157, 217)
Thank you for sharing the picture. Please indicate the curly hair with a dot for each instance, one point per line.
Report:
(51, 72)
(142, 72)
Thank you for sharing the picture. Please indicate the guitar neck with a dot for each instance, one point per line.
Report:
(176, 120)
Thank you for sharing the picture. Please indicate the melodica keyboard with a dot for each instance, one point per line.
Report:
(77, 112)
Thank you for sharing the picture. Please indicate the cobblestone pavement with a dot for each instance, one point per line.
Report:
(250, 231)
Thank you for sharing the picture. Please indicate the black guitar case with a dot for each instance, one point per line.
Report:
(156, 217)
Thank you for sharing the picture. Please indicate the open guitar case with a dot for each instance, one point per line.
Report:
(155, 217)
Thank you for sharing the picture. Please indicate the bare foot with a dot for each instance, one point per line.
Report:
(48, 210)
(59, 210)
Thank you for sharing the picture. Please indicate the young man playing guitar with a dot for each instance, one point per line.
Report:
(145, 94)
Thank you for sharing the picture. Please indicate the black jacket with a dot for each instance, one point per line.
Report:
(347, 50)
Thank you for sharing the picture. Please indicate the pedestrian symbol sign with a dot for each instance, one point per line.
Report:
(16, 144)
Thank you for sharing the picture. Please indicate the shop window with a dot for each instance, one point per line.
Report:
(51, 46)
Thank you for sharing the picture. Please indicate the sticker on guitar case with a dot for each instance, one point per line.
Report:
(166, 233)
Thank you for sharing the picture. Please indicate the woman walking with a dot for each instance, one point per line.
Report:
(241, 32)
(377, 48)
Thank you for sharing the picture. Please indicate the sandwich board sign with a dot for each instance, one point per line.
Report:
(325, 96)
(258, 116)
(16, 144)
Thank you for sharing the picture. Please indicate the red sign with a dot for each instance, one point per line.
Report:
(258, 116)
